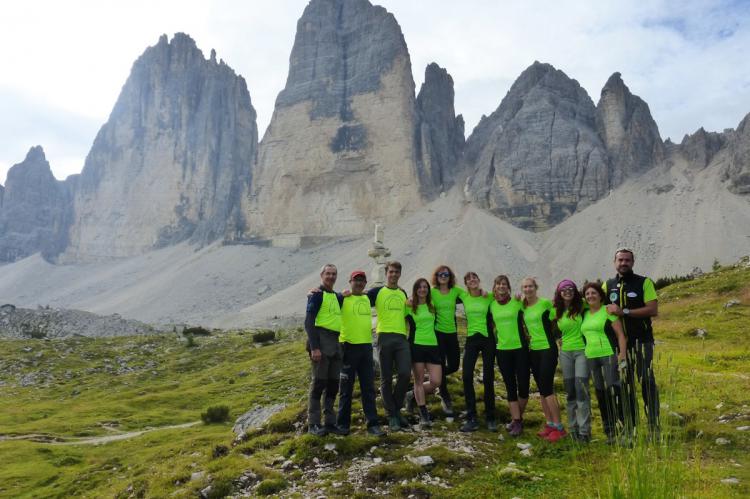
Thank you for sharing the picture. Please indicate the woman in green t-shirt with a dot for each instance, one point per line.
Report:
(479, 340)
(605, 348)
(425, 354)
(537, 315)
(506, 320)
(568, 316)
(444, 296)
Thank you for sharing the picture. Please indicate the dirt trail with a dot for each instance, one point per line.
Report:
(54, 440)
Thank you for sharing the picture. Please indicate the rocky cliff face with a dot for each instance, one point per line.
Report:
(172, 161)
(440, 131)
(700, 148)
(738, 159)
(34, 209)
(339, 153)
(628, 131)
(538, 158)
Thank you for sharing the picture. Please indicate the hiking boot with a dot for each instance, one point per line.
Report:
(555, 435)
(337, 430)
(375, 431)
(317, 430)
(404, 422)
(447, 406)
(491, 425)
(544, 432)
(411, 403)
(581, 439)
(424, 422)
(517, 428)
(471, 424)
(394, 423)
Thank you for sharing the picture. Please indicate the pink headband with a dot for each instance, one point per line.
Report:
(566, 283)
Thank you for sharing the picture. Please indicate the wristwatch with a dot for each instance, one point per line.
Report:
(625, 311)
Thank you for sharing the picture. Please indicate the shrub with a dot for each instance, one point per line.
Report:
(663, 282)
(196, 330)
(190, 341)
(271, 486)
(215, 414)
(264, 336)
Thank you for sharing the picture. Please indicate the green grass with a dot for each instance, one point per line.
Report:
(84, 388)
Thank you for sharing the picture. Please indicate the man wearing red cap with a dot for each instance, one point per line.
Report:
(356, 343)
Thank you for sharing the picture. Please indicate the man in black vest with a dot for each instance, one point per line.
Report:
(632, 297)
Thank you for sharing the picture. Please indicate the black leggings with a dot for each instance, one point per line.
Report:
(477, 344)
(543, 365)
(451, 356)
(514, 367)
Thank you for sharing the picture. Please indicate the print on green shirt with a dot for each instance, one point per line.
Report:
(572, 339)
(329, 315)
(356, 320)
(475, 308)
(594, 329)
(445, 308)
(533, 317)
(389, 306)
(505, 318)
(424, 321)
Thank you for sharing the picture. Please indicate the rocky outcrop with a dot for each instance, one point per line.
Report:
(45, 322)
(700, 148)
(628, 130)
(172, 161)
(339, 153)
(441, 132)
(538, 158)
(33, 217)
(738, 167)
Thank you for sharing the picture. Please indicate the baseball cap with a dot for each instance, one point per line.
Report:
(358, 273)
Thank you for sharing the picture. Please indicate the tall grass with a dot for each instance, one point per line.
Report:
(649, 466)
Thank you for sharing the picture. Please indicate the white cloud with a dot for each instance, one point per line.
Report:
(65, 62)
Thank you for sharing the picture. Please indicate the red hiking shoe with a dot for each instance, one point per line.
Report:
(555, 435)
(545, 431)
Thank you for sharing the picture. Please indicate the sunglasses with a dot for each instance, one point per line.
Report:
(567, 290)
(444, 274)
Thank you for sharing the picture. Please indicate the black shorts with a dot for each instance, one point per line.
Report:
(426, 354)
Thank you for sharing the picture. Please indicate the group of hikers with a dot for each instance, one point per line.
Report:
(602, 332)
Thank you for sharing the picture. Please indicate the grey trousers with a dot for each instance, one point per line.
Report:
(575, 371)
(393, 348)
(325, 381)
(604, 371)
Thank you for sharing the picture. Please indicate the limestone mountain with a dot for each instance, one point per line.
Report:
(628, 130)
(737, 171)
(34, 209)
(700, 148)
(441, 132)
(171, 162)
(341, 149)
(538, 158)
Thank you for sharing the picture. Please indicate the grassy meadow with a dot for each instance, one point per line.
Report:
(68, 409)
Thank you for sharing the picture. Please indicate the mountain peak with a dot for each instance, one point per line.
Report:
(628, 130)
(35, 154)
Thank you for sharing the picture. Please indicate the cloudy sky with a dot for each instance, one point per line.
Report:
(65, 62)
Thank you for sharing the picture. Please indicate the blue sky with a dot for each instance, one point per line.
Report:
(65, 62)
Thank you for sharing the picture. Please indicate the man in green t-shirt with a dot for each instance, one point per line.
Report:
(632, 297)
(393, 344)
(356, 343)
(323, 324)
